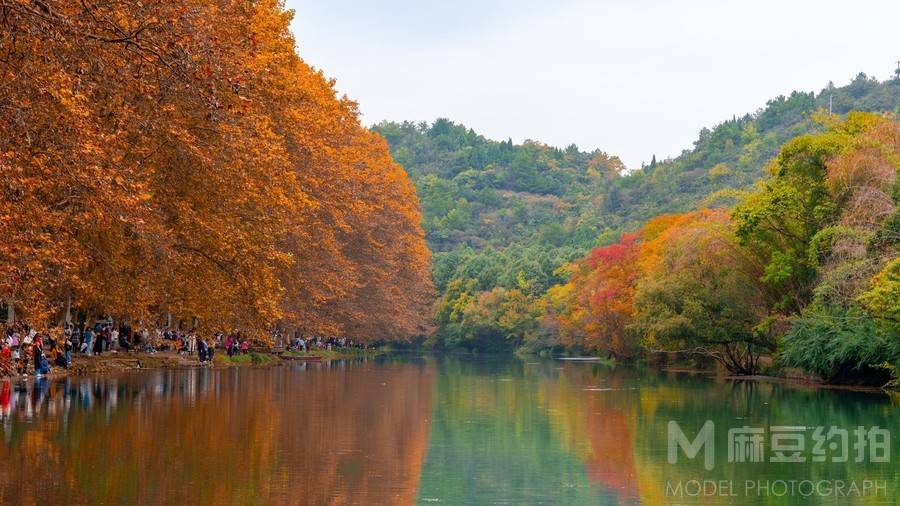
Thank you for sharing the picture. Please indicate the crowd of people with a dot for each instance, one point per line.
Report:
(106, 337)
(299, 343)
(25, 351)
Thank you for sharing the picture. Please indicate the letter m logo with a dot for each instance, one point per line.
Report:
(705, 439)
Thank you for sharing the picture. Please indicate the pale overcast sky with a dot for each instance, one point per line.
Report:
(631, 77)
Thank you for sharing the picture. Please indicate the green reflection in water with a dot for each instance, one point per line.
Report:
(496, 437)
(509, 432)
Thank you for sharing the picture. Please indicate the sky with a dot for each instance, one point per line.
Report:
(631, 77)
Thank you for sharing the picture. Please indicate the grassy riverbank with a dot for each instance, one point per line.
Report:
(334, 354)
(269, 358)
(119, 362)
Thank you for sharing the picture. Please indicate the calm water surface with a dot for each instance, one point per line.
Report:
(409, 430)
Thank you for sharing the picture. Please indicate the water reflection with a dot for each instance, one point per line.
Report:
(574, 433)
(401, 430)
(317, 434)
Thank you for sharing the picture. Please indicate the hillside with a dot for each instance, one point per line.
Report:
(504, 215)
(734, 153)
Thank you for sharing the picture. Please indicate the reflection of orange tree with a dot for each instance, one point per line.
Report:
(23, 472)
(597, 424)
(217, 450)
(355, 436)
(230, 437)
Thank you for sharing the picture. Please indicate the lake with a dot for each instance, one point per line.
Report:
(439, 430)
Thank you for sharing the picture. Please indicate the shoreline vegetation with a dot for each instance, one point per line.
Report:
(120, 362)
(790, 376)
(124, 362)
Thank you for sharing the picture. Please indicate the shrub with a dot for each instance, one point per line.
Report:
(842, 346)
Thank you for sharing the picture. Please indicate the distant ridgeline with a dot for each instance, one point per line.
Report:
(502, 219)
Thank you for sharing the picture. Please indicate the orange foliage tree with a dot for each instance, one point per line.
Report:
(700, 292)
(180, 157)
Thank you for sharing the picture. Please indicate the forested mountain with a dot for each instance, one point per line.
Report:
(503, 218)
(495, 211)
(481, 193)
